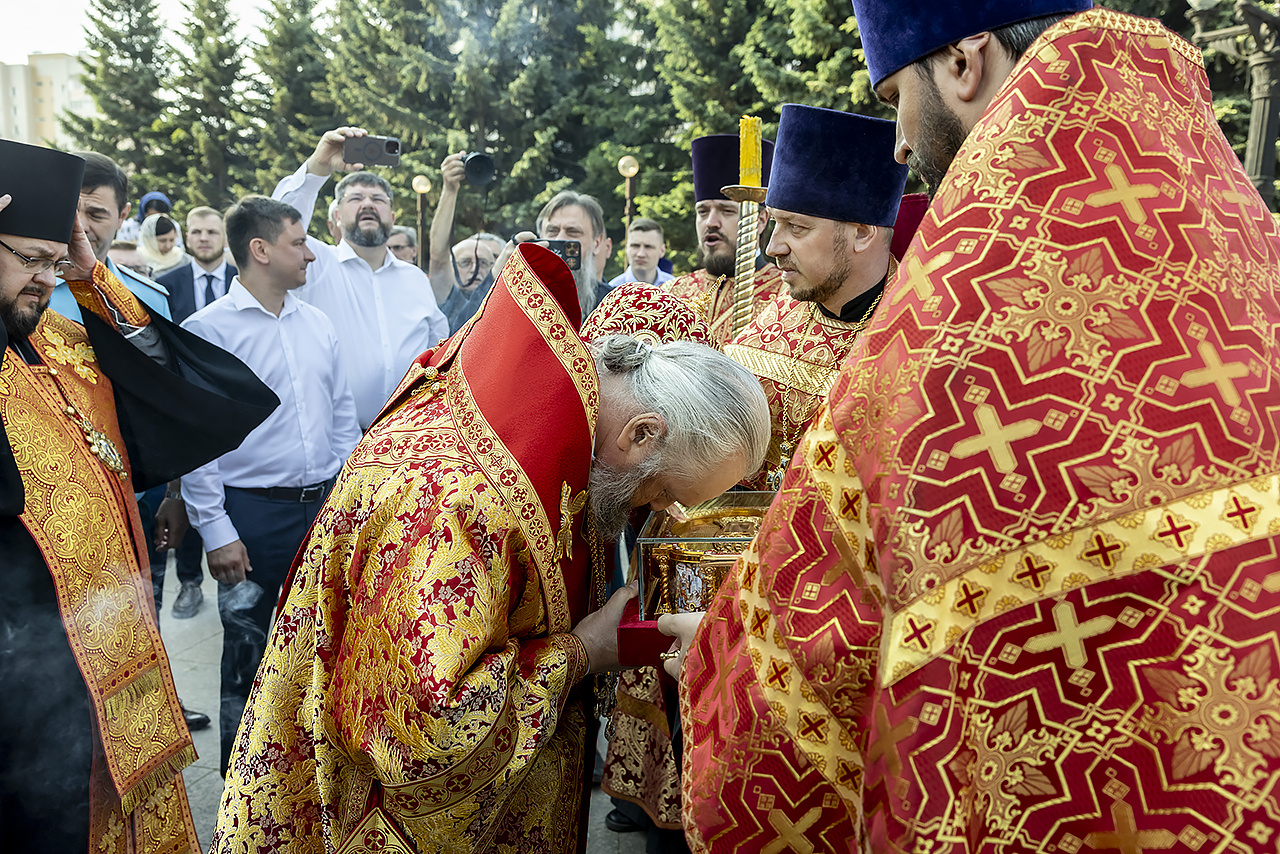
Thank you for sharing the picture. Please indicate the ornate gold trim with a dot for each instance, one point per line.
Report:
(1168, 539)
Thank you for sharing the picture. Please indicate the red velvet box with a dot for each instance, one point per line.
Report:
(639, 641)
(680, 562)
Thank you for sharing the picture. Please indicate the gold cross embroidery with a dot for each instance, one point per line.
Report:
(791, 836)
(886, 746)
(995, 438)
(1126, 837)
(1070, 635)
(1217, 373)
(77, 356)
(570, 506)
(918, 273)
(1126, 194)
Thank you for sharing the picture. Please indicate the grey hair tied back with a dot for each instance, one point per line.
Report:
(621, 354)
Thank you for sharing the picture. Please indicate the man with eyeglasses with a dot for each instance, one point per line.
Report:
(404, 244)
(382, 308)
(92, 738)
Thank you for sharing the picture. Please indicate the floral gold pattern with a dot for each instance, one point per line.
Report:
(86, 525)
(422, 645)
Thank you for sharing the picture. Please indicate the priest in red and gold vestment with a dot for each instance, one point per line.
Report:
(1020, 590)
(710, 287)
(833, 196)
(640, 767)
(92, 737)
(423, 689)
(834, 193)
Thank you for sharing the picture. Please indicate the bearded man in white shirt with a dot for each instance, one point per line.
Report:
(383, 309)
(254, 505)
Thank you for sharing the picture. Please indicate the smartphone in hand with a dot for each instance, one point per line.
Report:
(372, 150)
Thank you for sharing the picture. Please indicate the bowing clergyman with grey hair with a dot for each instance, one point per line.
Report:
(426, 680)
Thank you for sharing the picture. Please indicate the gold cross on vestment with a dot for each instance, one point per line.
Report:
(1123, 192)
(918, 274)
(1032, 571)
(1217, 373)
(887, 744)
(791, 836)
(1070, 635)
(1126, 837)
(1242, 513)
(1174, 531)
(570, 507)
(1240, 200)
(995, 438)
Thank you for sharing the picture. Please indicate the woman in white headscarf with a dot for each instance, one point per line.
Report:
(159, 246)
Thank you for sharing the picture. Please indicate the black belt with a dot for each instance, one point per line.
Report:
(298, 494)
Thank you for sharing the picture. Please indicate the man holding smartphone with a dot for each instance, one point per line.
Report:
(382, 308)
(571, 217)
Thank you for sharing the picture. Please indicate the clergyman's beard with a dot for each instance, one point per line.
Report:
(20, 323)
(357, 236)
(830, 286)
(587, 279)
(941, 135)
(720, 263)
(612, 491)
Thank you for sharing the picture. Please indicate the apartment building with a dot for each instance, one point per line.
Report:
(34, 95)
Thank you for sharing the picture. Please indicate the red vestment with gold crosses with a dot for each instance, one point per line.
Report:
(795, 350)
(715, 304)
(1020, 590)
(421, 690)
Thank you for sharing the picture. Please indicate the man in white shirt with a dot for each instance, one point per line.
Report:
(191, 287)
(253, 506)
(645, 248)
(383, 309)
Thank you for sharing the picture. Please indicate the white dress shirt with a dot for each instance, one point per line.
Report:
(219, 281)
(385, 318)
(627, 275)
(308, 437)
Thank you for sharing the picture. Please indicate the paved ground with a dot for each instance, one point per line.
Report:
(195, 648)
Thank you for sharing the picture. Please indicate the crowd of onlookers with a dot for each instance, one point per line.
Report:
(331, 323)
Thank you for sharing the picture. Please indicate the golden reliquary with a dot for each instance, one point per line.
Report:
(683, 561)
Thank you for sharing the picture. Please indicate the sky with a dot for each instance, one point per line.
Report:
(57, 26)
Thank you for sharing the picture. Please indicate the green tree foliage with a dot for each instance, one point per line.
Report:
(700, 57)
(123, 75)
(287, 97)
(699, 42)
(631, 102)
(806, 52)
(553, 91)
(211, 127)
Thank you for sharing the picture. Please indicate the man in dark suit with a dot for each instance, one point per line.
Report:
(191, 287)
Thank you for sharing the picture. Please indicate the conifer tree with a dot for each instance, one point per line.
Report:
(805, 52)
(524, 81)
(702, 42)
(123, 74)
(210, 127)
(291, 111)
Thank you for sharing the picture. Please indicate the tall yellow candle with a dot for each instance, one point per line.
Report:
(749, 170)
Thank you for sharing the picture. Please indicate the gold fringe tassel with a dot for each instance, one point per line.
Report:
(119, 703)
(164, 773)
